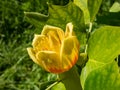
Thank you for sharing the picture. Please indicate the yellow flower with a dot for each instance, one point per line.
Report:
(55, 50)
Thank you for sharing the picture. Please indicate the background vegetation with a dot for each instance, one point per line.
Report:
(17, 71)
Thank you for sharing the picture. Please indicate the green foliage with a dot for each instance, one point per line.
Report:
(17, 71)
(70, 13)
(103, 42)
(104, 78)
(93, 7)
(12, 21)
(100, 52)
(83, 5)
(11, 18)
(59, 86)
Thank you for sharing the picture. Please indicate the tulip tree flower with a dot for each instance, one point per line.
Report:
(55, 50)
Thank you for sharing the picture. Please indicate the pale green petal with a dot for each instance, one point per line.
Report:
(32, 55)
(69, 51)
(50, 61)
(69, 30)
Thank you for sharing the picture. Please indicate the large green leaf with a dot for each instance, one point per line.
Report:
(93, 7)
(61, 15)
(104, 78)
(90, 66)
(104, 44)
(103, 47)
(83, 5)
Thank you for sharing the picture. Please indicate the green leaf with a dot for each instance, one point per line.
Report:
(36, 16)
(61, 15)
(103, 48)
(90, 66)
(104, 78)
(115, 7)
(93, 7)
(104, 44)
(37, 19)
(59, 86)
(82, 4)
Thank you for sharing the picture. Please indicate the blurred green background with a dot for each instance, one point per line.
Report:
(17, 70)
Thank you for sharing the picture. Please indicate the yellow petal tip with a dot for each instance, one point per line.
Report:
(32, 55)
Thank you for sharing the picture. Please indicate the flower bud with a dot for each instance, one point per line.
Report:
(55, 50)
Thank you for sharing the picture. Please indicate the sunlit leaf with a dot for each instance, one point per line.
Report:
(83, 5)
(93, 7)
(105, 78)
(102, 43)
(90, 66)
(59, 86)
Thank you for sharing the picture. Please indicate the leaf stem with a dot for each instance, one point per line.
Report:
(52, 85)
(88, 36)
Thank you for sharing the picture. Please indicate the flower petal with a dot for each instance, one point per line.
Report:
(51, 30)
(50, 61)
(41, 42)
(69, 51)
(55, 35)
(69, 30)
(32, 55)
(37, 39)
